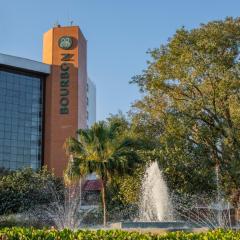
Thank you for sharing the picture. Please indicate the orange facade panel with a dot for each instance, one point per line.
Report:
(65, 92)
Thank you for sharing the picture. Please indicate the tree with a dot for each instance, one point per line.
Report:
(102, 149)
(192, 97)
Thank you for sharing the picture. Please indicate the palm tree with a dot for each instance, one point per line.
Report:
(102, 149)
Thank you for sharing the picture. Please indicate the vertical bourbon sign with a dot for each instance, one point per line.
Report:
(65, 43)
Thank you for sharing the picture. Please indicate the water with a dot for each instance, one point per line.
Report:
(155, 204)
(197, 210)
(212, 211)
(66, 209)
(202, 211)
(219, 205)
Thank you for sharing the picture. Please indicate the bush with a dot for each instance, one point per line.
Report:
(18, 220)
(26, 189)
(52, 234)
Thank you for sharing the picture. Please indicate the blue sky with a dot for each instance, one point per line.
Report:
(119, 32)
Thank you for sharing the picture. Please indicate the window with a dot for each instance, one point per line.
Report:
(20, 119)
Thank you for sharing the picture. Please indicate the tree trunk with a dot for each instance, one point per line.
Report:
(104, 203)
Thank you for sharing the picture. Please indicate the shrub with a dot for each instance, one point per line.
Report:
(18, 220)
(52, 234)
(26, 189)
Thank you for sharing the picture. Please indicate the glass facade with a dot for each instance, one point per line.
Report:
(21, 111)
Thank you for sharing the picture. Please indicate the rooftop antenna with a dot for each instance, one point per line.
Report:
(56, 24)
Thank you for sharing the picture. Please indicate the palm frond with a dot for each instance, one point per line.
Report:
(103, 149)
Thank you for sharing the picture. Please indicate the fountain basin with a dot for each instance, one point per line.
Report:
(178, 225)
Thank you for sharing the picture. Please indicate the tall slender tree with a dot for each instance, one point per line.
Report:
(102, 149)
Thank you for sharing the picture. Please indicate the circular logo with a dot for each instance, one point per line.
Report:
(65, 42)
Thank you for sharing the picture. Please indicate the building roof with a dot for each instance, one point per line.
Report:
(25, 64)
(92, 185)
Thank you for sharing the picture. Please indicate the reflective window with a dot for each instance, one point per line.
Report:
(20, 121)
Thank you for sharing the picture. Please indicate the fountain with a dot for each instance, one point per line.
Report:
(202, 211)
(158, 210)
(213, 212)
(155, 208)
(155, 204)
(65, 213)
(66, 209)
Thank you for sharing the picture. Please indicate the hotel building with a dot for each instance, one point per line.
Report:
(91, 103)
(44, 103)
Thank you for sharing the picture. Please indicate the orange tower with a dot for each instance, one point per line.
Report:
(65, 49)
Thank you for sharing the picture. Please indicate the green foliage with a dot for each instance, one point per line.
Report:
(192, 106)
(123, 195)
(104, 149)
(52, 234)
(130, 186)
(17, 220)
(124, 190)
(26, 189)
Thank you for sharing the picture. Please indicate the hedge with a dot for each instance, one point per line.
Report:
(66, 234)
